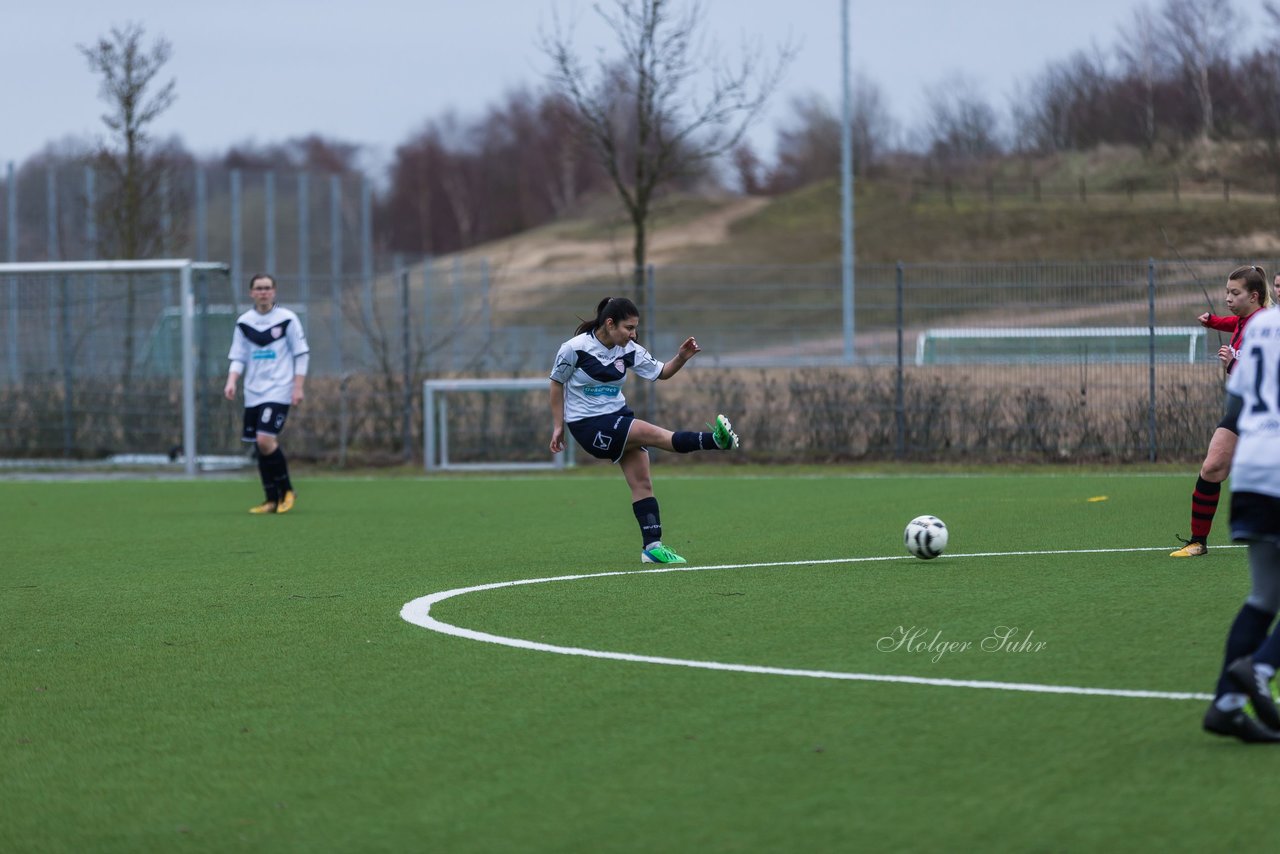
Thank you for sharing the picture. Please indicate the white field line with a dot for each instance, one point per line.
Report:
(418, 612)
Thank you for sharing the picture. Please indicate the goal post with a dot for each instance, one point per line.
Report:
(83, 348)
(508, 436)
(1121, 344)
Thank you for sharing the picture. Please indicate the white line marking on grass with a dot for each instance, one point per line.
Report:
(418, 612)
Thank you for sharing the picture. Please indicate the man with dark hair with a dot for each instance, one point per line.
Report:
(270, 350)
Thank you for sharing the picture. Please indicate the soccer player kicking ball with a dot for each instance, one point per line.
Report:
(586, 396)
(1253, 647)
(270, 350)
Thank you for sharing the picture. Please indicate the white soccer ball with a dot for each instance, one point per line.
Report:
(925, 537)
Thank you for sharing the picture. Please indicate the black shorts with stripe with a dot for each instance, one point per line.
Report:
(265, 418)
(604, 436)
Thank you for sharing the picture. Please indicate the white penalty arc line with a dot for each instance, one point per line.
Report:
(418, 612)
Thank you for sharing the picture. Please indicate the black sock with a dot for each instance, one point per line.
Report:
(1247, 633)
(268, 481)
(691, 440)
(278, 471)
(646, 510)
(1204, 504)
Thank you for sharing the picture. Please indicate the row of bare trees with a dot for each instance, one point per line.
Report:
(640, 122)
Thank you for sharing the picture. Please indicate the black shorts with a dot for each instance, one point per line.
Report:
(1231, 422)
(604, 436)
(265, 418)
(1231, 414)
(1255, 517)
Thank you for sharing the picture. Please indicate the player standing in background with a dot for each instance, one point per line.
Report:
(586, 394)
(269, 348)
(1253, 649)
(1247, 293)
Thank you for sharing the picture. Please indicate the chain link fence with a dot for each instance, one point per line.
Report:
(994, 362)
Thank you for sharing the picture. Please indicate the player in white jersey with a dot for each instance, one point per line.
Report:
(1253, 648)
(270, 350)
(586, 397)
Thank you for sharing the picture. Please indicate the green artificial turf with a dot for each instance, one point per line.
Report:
(182, 676)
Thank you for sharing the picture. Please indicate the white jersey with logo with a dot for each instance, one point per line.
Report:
(1255, 467)
(592, 374)
(266, 345)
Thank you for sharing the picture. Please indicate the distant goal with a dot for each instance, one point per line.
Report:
(1048, 345)
(114, 363)
(489, 424)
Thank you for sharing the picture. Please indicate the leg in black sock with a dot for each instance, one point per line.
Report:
(686, 441)
(646, 510)
(268, 480)
(1248, 631)
(278, 471)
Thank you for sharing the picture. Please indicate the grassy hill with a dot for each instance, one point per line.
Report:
(1104, 205)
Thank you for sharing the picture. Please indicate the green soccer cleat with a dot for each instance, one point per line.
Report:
(658, 553)
(722, 434)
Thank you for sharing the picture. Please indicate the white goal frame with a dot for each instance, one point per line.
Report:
(1193, 334)
(184, 267)
(435, 424)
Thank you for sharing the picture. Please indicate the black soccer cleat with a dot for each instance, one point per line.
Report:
(1239, 725)
(1251, 682)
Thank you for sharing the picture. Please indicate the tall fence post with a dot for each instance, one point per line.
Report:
(166, 223)
(651, 312)
(202, 219)
(486, 318)
(52, 251)
(11, 227)
(899, 400)
(1151, 365)
(426, 312)
(458, 295)
(335, 274)
(269, 215)
(406, 423)
(366, 263)
(91, 250)
(237, 249)
(304, 240)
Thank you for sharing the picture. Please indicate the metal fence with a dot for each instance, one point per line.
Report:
(251, 219)
(1052, 361)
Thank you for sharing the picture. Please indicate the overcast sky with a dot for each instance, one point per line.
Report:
(374, 71)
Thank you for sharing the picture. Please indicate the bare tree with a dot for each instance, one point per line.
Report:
(1143, 59)
(131, 209)
(809, 149)
(644, 116)
(960, 123)
(1198, 34)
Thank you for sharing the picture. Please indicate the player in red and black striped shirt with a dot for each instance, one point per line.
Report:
(1247, 293)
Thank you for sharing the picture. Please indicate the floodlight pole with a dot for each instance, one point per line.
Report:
(846, 189)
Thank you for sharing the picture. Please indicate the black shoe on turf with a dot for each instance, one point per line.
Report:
(1251, 682)
(1238, 724)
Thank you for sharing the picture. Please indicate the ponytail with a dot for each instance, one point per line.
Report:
(616, 309)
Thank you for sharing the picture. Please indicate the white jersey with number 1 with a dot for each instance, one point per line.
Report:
(1256, 380)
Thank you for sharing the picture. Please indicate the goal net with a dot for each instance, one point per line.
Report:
(1055, 345)
(119, 362)
(494, 424)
